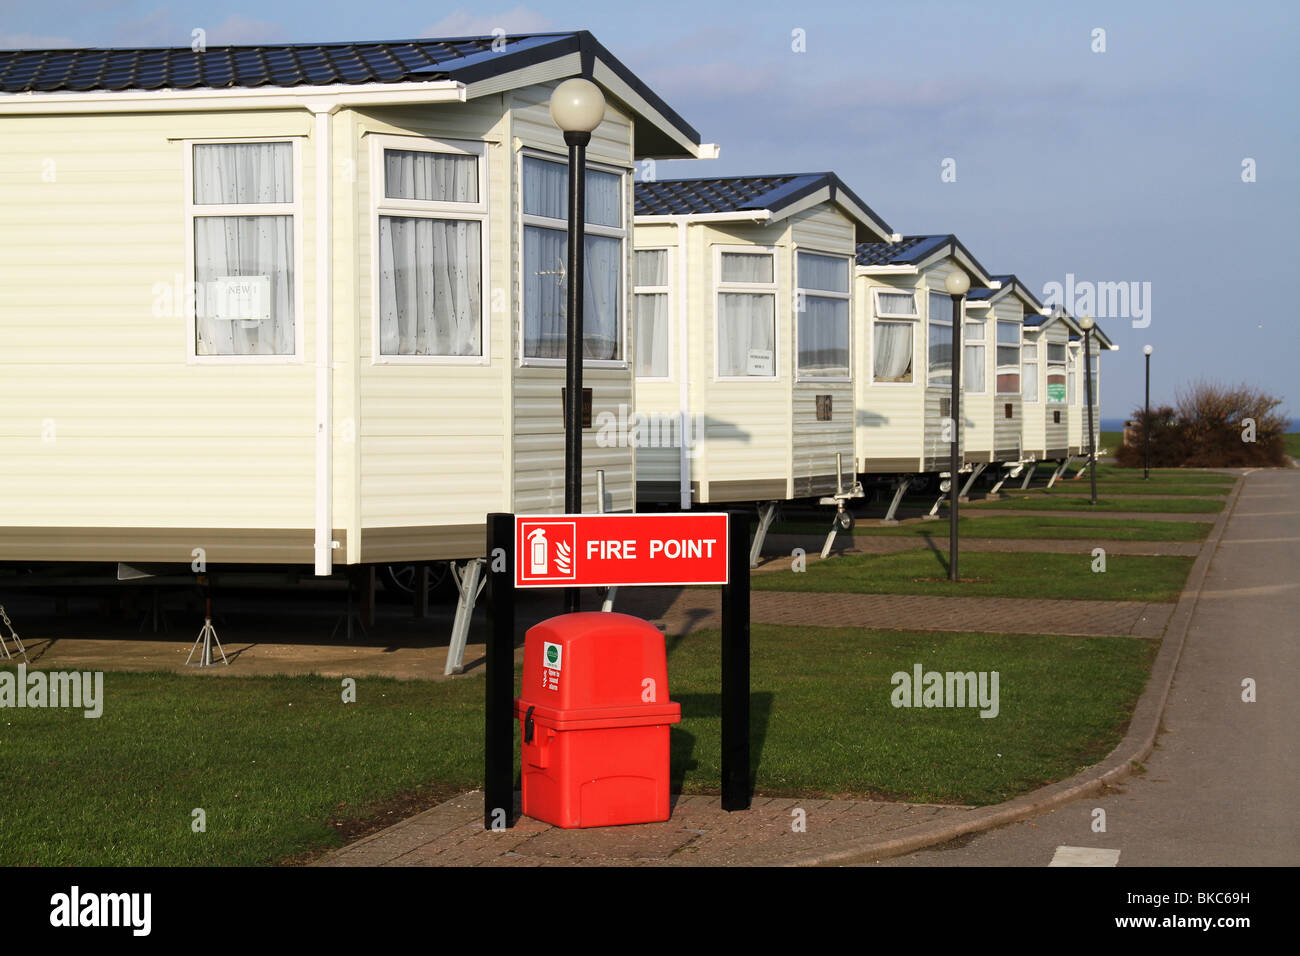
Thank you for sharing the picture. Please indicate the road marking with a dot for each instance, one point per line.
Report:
(1084, 856)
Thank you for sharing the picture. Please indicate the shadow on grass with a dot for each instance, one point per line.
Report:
(682, 743)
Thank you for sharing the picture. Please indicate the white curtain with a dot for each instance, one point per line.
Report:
(438, 177)
(896, 303)
(545, 306)
(940, 335)
(652, 335)
(824, 336)
(1029, 368)
(824, 273)
(430, 286)
(972, 368)
(746, 323)
(892, 352)
(546, 193)
(746, 267)
(652, 267)
(1072, 380)
(226, 247)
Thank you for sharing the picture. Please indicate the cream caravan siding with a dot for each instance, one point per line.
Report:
(105, 423)
(538, 428)
(1056, 433)
(1034, 436)
(746, 424)
(431, 440)
(823, 229)
(888, 415)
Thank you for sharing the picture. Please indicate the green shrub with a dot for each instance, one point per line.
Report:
(1211, 426)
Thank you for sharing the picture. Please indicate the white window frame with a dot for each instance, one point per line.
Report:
(622, 233)
(1020, 355)
(1073, 382)
(195, 210)
(893, 318)
(1037, 343)
(982, 344)
(1063, 366)
(931, 321)
(381, 205)
(801, 296)
(665, 290)
(759, 288)
(913, 316)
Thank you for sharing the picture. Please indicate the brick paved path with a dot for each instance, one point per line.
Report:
(700, 833)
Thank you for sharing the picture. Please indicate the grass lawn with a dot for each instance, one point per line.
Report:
(1291, 441)
(276, 762)
(1028, 526)
(823, 721)
(1124, 486)
(1111, 440)
(1058, 502)
(1171, 475)
(991, 574)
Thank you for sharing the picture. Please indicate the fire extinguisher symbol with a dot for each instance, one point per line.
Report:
(547, 551)
(537, 552)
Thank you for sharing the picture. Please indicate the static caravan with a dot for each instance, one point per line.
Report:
(1044, 369)
(995, 420)
(1077, 388)
(904, 350)
(745, 337)
(303, 305)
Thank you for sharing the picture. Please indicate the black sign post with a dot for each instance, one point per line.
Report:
(498, 720)
(736, 792)
(499, 707)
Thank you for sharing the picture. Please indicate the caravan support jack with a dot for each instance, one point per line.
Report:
(903, 485)
(1065, 462)
(469, 581)
(766, 515)
(1029, 474)
(975, 473)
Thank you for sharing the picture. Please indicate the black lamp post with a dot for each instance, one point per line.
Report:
(1086, 323)
(957, 284)
(577, 107)
(1146, 423)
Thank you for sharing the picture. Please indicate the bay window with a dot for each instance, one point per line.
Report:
(243, 223)
(972, 360)
(545, 248)
(1029, 368)
(1055, 373)
(823, 327)
(1008, 358)
(746, 302)
(650, 302)
(891, 344)
(431, 210)
(940, 340)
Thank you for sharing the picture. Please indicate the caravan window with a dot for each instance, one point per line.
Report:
(545, 235)
(940, 351)
(431, 263)
(891, 342)
(1072, 376)
(1008, 358)
(1056, 373)
(823, 322)
(1029, 366)
(652, 314)
(243, 224)
(972, 360)
(746, 304)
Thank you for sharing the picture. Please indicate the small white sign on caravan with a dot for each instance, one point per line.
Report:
(758, 362)
(241, 298)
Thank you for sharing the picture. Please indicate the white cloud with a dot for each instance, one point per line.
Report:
(464, 23)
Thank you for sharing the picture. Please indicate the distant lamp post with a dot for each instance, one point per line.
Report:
(957, 284)
(1146, 425)
(1086, 323)
(577, 107)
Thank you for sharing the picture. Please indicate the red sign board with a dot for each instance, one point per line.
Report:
(620, 549)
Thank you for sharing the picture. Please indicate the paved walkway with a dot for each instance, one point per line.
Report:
(701, 833)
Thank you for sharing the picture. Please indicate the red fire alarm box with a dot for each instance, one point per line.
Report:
(594, 715)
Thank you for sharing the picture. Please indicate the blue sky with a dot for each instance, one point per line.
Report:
(1115, 166)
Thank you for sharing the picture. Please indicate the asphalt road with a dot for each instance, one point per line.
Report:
(1220, 787)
